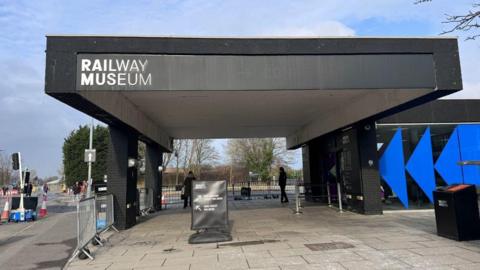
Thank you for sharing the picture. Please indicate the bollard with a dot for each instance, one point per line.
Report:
(329, 199)
(297, 200)
(339, 197)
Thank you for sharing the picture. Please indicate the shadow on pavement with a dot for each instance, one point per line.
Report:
(70, 243)
(13, 239)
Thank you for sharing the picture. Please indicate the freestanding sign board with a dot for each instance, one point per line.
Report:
(209, 205)
(209, 212)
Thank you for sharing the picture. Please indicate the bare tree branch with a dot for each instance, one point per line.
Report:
(468, 22)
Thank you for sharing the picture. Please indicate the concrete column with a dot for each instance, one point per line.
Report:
(122, 181)
(367, 145)
(313, 155)
(153, 178)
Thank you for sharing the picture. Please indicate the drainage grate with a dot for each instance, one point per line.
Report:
(328, 246)
(248, 243)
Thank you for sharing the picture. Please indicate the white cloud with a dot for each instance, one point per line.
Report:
(326, 28)
(37, 123)
(470, 91)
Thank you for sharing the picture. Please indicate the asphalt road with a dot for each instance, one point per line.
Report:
(44, 244)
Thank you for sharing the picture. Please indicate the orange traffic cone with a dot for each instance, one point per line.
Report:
(43, 210)
(5, 213)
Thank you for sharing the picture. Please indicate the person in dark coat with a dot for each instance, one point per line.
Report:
(282, 182)
(29, 189)
(187, 184)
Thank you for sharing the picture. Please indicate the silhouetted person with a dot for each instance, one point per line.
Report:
(282, 182)
(187, 196)
(29, 189)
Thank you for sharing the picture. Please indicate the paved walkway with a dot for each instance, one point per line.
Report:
(275, 238)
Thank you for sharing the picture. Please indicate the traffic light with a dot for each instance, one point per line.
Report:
(26, 177)
(15, 161)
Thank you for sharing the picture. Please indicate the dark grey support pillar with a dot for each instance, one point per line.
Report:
(153, 178)
(122, 181)
(313, 171)
(306, 164)
(367, 145)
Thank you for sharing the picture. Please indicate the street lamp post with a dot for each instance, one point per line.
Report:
(176, 161)
(90, 147)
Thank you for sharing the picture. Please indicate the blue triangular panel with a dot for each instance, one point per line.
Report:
(469, 140)
(392, 167)
(420, 165)
(446, 164)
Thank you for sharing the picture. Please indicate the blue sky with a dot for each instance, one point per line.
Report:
(36, 124)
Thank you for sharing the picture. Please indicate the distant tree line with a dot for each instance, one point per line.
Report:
(260, 156)
(5, 170)
(74, 166)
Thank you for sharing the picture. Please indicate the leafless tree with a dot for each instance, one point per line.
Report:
(467, 22)
(259, 155)
(193, 154)
(5, 170)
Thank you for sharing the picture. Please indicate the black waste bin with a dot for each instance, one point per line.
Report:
(456, 212)
(100, 187)
(246, 192)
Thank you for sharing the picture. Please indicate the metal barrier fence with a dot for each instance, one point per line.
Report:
(95, 215)
(171, 195)
(86, 225)
(329, 192)
(104, 212)
(145, 200)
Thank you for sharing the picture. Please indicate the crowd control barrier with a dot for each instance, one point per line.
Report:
(86, 225)
(104, 213)
(327, 192)
(95, 215)
(145, 200)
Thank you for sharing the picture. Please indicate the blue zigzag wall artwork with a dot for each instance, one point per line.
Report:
(392, 167)
(469, 140)
(463, 144)
(446, 164)
(420, 165)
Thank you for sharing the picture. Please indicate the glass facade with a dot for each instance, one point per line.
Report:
(414, 159)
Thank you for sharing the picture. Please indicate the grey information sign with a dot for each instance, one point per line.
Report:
(209, 205)
(90, 155)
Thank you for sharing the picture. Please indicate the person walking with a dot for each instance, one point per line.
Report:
(76, 190)
(187, 185)
(45, 191)
(29, 189)
(282, 182)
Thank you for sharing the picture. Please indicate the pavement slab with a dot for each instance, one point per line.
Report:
(275, 238)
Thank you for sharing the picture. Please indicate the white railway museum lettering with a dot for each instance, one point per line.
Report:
(114, 72)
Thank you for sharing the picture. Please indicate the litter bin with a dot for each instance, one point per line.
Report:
(100, 187)
(456, 212)
(246, 192)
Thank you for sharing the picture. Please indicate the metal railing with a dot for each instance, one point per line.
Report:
(145, 200)
(171, 195)
(95, 215)
(86, 225)
(105, 213)
(329, 192)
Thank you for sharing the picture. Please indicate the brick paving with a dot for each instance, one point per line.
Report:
(395, 240)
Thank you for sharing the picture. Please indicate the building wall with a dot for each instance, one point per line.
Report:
(427, 156)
